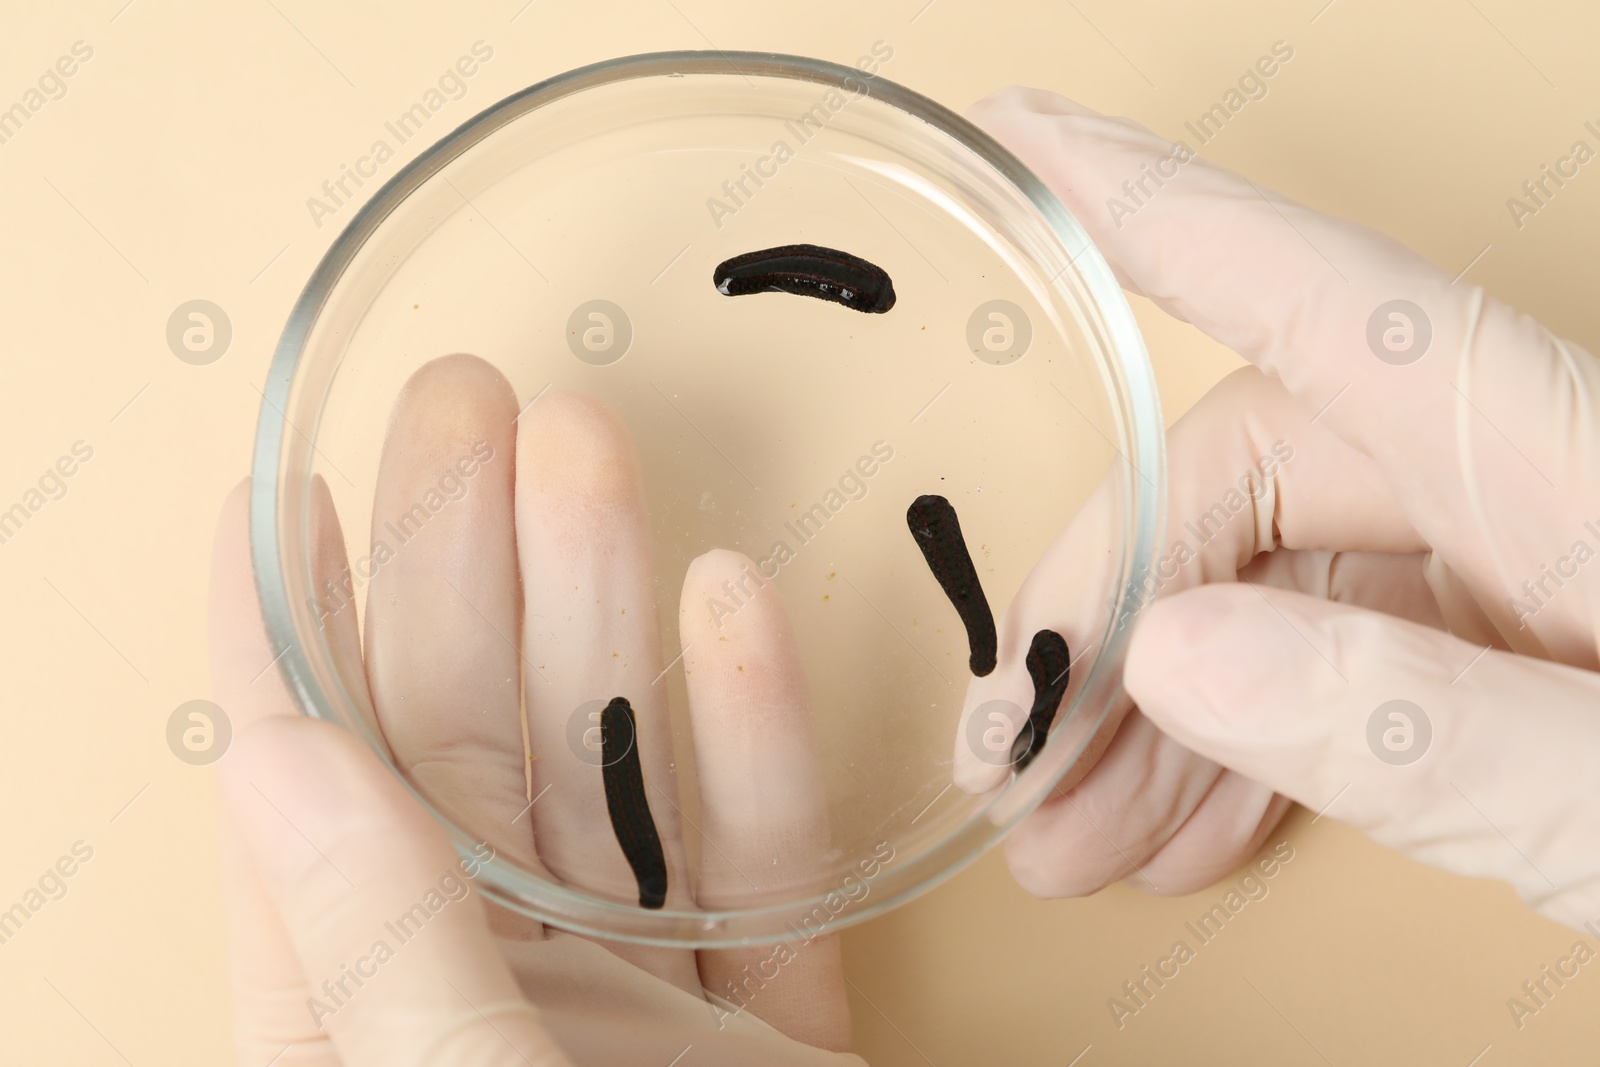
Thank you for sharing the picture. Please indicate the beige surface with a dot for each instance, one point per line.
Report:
(177, 165)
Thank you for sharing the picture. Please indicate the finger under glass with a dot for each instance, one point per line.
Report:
(763, 808)
(590, 636)
(444, 607)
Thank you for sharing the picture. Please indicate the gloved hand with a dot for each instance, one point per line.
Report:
(1398, 502)
(323, 850)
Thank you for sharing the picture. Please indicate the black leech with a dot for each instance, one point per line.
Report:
(1048, 660)
(938, 533)
(625, 802)
(808, 270)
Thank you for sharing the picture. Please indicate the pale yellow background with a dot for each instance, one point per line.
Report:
(178, 166)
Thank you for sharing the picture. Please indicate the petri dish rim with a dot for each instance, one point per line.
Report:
(1136, 404)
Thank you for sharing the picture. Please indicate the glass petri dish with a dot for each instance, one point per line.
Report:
(568, 235)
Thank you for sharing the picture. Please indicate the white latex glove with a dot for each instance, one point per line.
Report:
(1406, 502)
(323, 850)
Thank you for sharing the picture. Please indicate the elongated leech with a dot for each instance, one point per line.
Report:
(808, 270)
(1048, 662)
(630, 814)
(937, 532)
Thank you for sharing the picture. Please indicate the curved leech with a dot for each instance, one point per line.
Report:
(1049, 662)
(808, 270)
(937, 532)
(630, 814)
